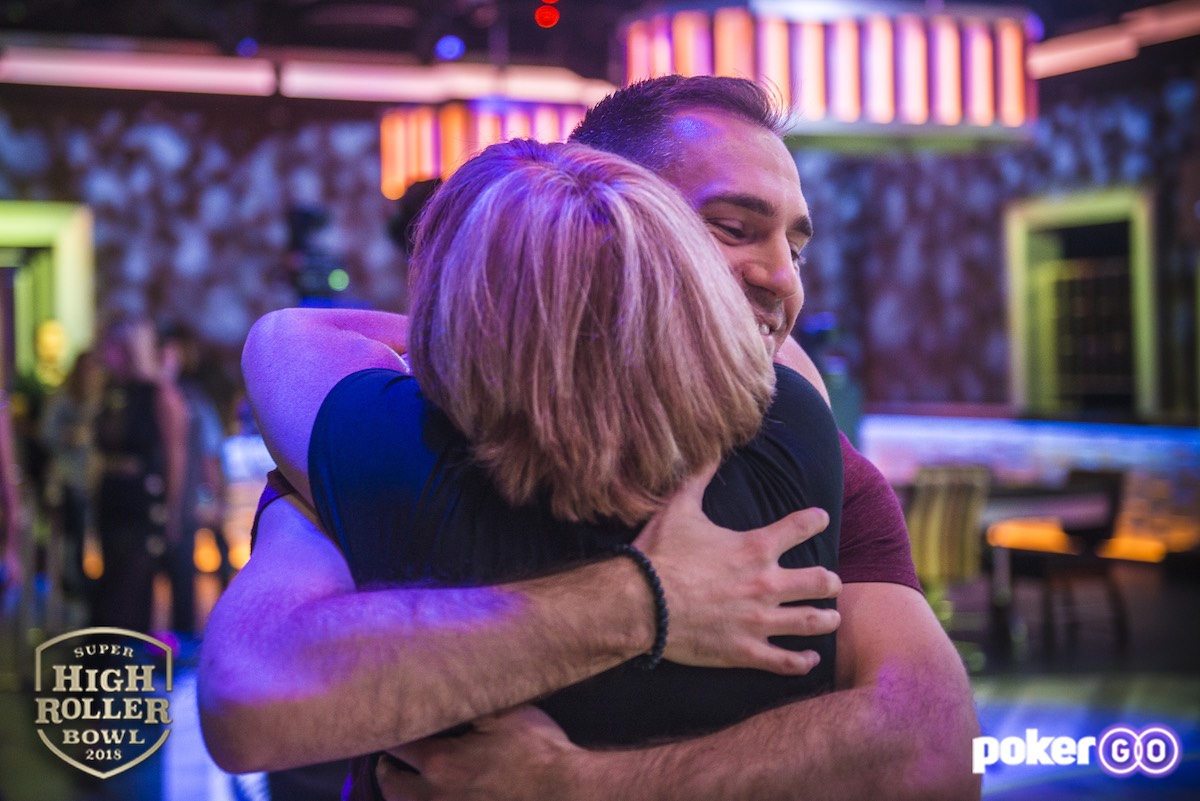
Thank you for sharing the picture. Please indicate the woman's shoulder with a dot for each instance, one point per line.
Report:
(794, 392)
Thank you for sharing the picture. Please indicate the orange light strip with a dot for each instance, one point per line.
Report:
(1030, 534)
(393, 177)
(489, 129)
(1045, 535)
(846, 100)
(1133, 549)
(947, 71)
(693, 45)
(412, 150)
(422, 159)
(1010, 47)
(517, 124)
(637, 51)
(881, 71)
(774, 57)
(733, 43)
(808, 69)
(661, 57)
(454, 147)
(417, 143)
(569, 118)
(547, 125)
(980, 73)
(914, 70)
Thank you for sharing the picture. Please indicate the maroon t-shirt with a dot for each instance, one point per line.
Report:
(874, 545)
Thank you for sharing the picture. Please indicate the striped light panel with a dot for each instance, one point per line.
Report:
(420, 142)
(889, 66)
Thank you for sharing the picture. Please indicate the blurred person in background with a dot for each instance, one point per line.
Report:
(67, 432)
(218, 373)
(141, 433)
(203, 490)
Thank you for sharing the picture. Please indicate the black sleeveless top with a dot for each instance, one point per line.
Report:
(396, 487)
(133, 489)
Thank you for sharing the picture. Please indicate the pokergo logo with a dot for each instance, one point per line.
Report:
(1120, 750)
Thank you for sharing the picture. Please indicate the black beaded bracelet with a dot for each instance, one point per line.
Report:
(650, 660)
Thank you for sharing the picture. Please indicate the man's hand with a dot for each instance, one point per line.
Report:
(513, 756)
(725, 588)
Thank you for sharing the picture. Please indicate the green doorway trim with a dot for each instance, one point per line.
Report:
(59, 285)
(1027, 227)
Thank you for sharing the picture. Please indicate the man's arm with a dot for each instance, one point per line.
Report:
(902, 731)
(299, 667)
(293, 357)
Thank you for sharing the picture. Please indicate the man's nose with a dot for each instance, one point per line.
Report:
(773, 271)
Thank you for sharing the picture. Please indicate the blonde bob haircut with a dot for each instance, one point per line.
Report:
(573, 318)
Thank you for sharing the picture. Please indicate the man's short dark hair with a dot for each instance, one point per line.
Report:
(633, 122)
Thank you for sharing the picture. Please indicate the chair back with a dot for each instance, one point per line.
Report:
(1112, 484)
(944, 514)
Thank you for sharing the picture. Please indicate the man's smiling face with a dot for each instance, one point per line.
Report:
(742, 181)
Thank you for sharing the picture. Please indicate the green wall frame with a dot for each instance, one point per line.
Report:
(1027, 224)
(59, 283)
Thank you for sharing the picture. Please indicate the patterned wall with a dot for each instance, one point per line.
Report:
(191, 194)
(909, 248)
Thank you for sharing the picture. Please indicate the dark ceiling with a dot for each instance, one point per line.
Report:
(581, 40)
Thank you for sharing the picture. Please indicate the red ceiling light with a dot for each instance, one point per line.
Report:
(546, 16)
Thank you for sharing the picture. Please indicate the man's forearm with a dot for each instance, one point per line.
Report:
(874, 743)
(363, 671)
(901, 730)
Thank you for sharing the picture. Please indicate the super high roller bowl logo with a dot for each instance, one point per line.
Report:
(101, 698)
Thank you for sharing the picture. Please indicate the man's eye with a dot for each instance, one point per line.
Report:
(727, 227)
(799, 259)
